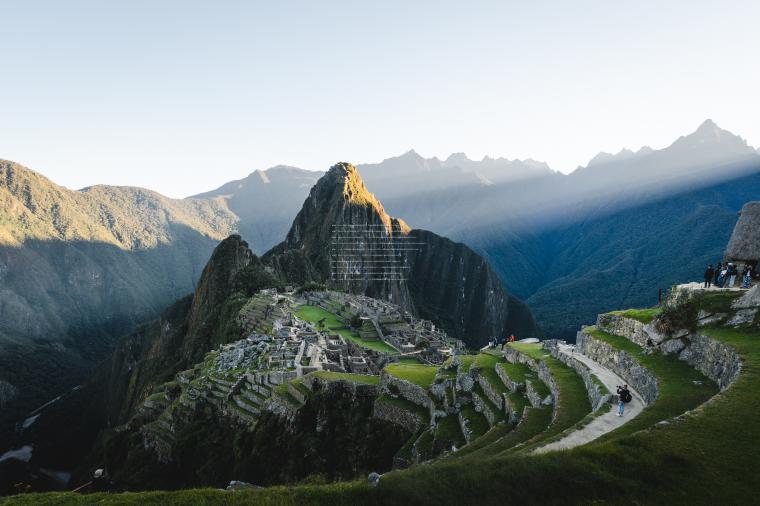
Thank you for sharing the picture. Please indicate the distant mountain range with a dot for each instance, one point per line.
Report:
(78, 269)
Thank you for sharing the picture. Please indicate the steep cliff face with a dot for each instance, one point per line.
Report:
(343, 236)
(333, 436)
(186, 330)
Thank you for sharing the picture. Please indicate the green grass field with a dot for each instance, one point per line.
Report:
(419, 374)
(333, 324)
(642, 315)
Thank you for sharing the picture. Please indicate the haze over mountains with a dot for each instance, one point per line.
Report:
(78, 269)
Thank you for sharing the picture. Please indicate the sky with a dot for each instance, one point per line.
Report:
(182, 96)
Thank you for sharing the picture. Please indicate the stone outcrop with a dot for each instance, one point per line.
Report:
(712, 358)
(409, 420)
(621, 363)
(7, 393)
(640, 333)
(405, 389)
(489, 391)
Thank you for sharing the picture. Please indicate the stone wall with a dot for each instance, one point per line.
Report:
(511, 384)
(492, 394)
(482, 407)
(596, 394)
(395, 414)
(510, 412)
(533, 397)
(513, 356)
(712, 358)
(621, 363)
(640, 333)
(406, 389)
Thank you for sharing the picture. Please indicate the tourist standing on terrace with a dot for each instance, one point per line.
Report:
(746, 276)
(624, 397)
(709, 274)
(732, 272)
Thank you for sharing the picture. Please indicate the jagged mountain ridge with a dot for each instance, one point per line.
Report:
(445, 282)
(79, 269)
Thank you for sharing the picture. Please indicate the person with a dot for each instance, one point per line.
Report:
(512, 338)
(718, 267)
(732, 271)
(624, 397)
(722, 277)
(709, 273)
(99, 481)
(746, 276)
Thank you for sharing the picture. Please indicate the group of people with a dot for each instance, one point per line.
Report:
(496, 341)
(725, 274)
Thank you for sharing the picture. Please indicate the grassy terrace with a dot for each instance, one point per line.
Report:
(419, 374)
(678, 390)
(517, 372)
(467, 361)
(518, 401)
(642, 315)
(478, 424)
(448, 429)
(356, 378)
(573, 404)
(708, 457)
(487, 363)
(333, 324)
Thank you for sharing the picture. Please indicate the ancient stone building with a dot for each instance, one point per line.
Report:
(744, 246)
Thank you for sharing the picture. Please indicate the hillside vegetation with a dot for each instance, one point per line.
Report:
(680, 450)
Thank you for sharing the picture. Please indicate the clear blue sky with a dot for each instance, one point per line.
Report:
(183, 96)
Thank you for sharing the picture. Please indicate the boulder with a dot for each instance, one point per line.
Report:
(672, 346)
(749, 299)
(239, 485)
(742, 317)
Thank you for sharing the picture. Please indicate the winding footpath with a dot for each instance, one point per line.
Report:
(604, 423)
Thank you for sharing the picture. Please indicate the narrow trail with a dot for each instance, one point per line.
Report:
(604, 423)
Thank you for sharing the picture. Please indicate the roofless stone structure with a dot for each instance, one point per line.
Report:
(744, 245)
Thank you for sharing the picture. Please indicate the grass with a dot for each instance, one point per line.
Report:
(478, 425)
(642, 315)
(518, 401)
(333, 324)
(419, 374)
(345, 376)
(707, 457)
(487, 364)
(409, 360)
(516, 372)
(466, 362)
(448, 429)
(678, 392)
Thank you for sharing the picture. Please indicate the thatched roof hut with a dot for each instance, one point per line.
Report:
(744, 245)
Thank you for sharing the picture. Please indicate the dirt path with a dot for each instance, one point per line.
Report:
(602, 424)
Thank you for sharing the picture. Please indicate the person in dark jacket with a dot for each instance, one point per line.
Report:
(731, 273)
(624, 397)
(709, 274)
